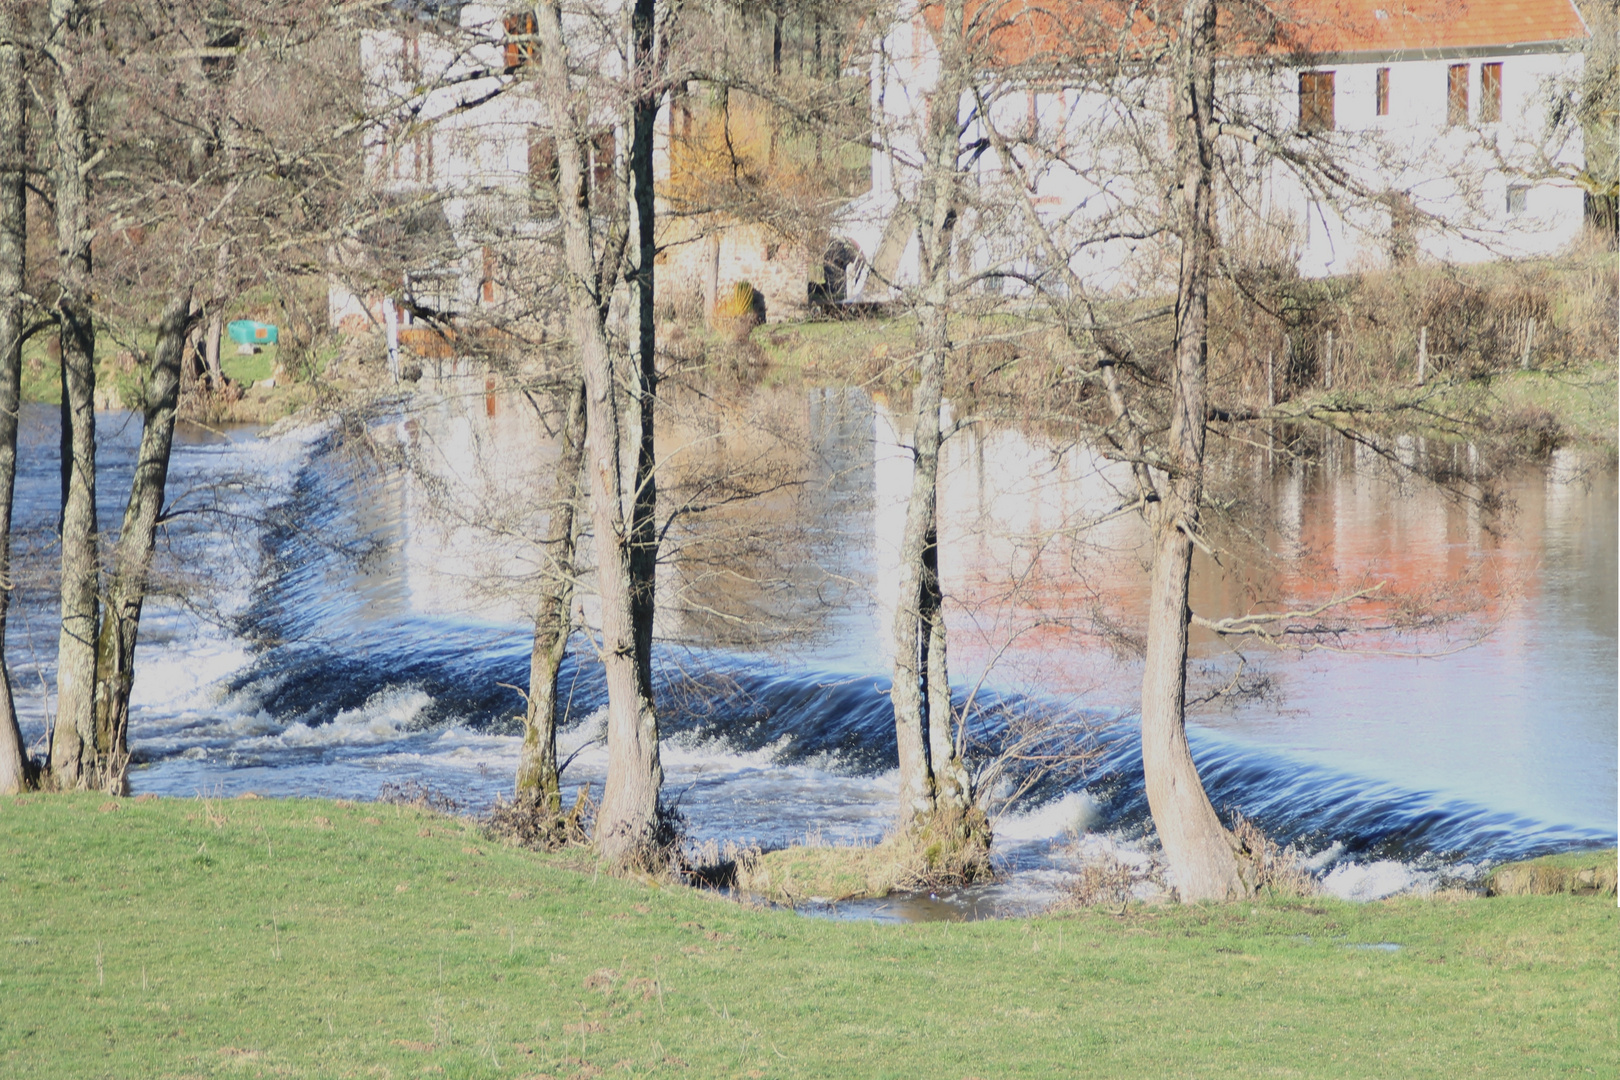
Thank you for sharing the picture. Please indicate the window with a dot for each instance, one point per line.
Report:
(413, 159)
(518, 53)
(1518, 199)
(1490, 93)
(486, 286)
(543, 164)
(1457, 95)
(597, 165)
(1316, 101)
(1381, 91)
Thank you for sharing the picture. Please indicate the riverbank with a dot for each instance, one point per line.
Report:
(307, 938)
(1527, 413)
(1481, 326)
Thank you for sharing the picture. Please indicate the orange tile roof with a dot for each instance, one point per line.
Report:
(1417, 25)
(1022, 31)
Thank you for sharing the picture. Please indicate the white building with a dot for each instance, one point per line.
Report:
(464, 134)
(460, 141)
(1438, 112)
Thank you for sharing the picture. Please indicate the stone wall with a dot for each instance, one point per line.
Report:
(692, 269)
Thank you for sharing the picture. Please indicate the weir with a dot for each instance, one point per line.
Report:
(370, 628)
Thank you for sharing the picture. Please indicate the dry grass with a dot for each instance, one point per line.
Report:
(942, 853)
(1271, 870)
(524, 823)
(737, 311)
(1473, 321)
(1581, 873)
(1105, 880)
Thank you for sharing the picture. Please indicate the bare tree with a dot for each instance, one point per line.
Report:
(1198, 846)
(932, 780)
(130, 579)
(538, 779)
(75, 749)
(198, 154)
(1142, 366)
(13, 276)
(627, 822)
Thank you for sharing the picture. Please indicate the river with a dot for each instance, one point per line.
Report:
(342, 611)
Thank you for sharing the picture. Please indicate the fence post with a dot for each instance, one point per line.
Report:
(1327, 362)
(1529, 340)
(1423, 353)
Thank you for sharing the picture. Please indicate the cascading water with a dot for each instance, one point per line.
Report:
(356, 652)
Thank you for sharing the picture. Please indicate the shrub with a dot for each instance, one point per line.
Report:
(738, 310)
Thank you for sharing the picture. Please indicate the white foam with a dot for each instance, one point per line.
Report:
(1376, 880)
(1073, 813)
(1324, 858)
(385, 717)
(182, 674)
(700, 754)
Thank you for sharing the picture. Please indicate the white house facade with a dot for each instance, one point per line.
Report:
(1435, 115)
(1436, 118)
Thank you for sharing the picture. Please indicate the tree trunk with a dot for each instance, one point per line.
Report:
(627, 820)
(952, 794)
(538, 782)
(13, 264)
(191, 360)
(920, 695)
(909, 694)
(137, 540)
(1201, 853)
(644, 506)
(73, 746)
(213, 340)
(211, 345)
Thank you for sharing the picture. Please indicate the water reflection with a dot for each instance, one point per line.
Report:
(788, 505)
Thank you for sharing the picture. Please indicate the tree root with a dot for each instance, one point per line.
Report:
(534, 823)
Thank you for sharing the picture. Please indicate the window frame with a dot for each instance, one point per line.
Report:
(516, 54)
(1315, 87)
(1490, 92)
(1457, 80)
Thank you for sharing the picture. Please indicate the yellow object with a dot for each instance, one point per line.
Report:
(736, 302)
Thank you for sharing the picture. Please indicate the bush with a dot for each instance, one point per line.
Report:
(738, 310)
(1476, 318)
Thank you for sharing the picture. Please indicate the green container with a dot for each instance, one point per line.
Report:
(248, 332)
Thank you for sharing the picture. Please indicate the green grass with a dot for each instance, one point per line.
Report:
(834, 345)
(177, 938)
(247, 369)
(1583, 402)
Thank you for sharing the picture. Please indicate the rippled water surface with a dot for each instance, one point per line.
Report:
(353, 612)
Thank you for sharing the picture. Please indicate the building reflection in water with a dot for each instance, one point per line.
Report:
(788, 505)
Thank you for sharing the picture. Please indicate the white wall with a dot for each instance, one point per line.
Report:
(1091, 170)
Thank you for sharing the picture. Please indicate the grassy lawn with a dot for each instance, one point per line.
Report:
(247, 369)
(253, 937)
